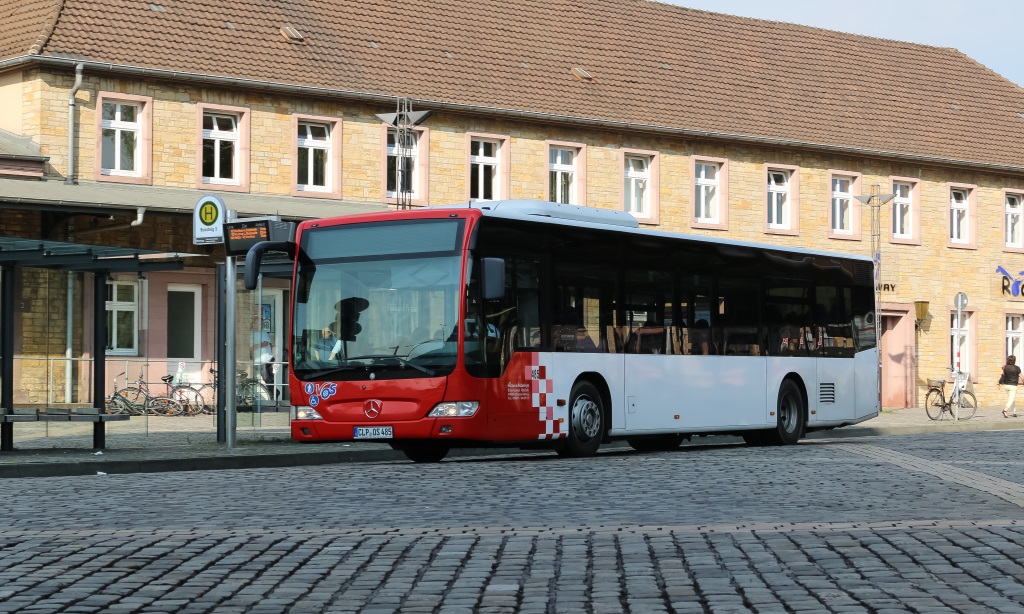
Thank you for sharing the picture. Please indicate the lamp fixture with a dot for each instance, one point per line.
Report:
(920, 312)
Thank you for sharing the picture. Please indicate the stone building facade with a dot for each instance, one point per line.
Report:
(958, 213)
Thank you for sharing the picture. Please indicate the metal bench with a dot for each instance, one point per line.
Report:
(58, 414)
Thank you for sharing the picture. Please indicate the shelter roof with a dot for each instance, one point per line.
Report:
(125, 197)
(632, 64)
(32, 253)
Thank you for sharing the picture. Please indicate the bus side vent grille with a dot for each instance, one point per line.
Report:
(827, 393)
(863, 273)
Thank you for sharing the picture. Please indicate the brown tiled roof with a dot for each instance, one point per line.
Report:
(25, 24)
(653, 64)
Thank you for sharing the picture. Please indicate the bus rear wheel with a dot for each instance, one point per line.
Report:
(425, 452)
(586, 421)
(790, 414)
(660, 443)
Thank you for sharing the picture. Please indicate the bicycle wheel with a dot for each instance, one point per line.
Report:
(116, 405)
(933, 404)
(252, 392)
(135, 399)
(209, 395)
(164, 406)
(968, 405)
(191, 401)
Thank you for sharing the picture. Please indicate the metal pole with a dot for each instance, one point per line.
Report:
(222, 363)
(99, 338)
(7, 361)
(230, 290)
(956, 374)
(230, 281)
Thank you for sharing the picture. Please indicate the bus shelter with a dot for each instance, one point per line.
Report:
(99, 260)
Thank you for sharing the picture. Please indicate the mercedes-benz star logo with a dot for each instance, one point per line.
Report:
(372, 408)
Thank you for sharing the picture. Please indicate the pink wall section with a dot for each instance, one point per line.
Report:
(898, 355)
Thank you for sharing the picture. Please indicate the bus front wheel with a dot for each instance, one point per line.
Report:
(425, 453)
(586, 421)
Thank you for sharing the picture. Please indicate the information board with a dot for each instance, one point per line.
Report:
(241, 235)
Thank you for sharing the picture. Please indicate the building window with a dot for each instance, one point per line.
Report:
(705, 198)
(1015, 336)
(841, 212)
(484, 169)
(122, 317)
(314, 157)
(403, 165)
(183, 321)
(902, 210)
(778, 199)
(959, 346)
(562, 175)
(1013, 221)
(120, 139)
(220, 149)
(637, 185)
(958, 220)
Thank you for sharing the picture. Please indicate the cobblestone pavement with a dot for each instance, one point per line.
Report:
(922, 523)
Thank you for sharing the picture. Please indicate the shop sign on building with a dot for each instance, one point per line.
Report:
(1011, 285)
(208, 220)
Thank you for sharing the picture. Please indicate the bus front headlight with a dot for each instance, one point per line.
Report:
(454, 409)
(305, 412)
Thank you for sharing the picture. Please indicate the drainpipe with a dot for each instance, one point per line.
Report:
(140, 213)
(71, 179)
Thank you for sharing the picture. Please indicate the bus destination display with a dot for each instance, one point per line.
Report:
(240, 236)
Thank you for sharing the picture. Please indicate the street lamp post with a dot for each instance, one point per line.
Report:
(876, 201)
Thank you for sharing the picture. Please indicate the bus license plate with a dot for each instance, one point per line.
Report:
(374, 432)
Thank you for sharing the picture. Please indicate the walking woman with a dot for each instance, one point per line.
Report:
(1009, 380)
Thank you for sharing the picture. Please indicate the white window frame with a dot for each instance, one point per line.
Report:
(1015, 336)
(959, 215)
(841, 211)
(221, 138)
(393, 150)
(559, 170)
(481, 165)
(707, 192)
(636, 181)
(903, 210)
(197, 333)
(1013, 221)
(114, 307)
(307, 145)
(120, 126)
(779, 199)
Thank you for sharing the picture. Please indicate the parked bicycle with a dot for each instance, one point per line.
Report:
(208, 392)
(138, 400)
(117, 404)
(251, 390)
(248, 391)
(191, 400)
(961, 402)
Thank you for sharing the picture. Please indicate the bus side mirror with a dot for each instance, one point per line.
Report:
(254, 258)
(492, 276)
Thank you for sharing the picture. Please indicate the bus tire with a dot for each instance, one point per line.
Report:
(425, 452)
(661, 443)
(789, 414)
(586, 421)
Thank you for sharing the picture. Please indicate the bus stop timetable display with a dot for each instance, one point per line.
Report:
(240, 236)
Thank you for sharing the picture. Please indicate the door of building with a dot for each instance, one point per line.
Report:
(897, 349)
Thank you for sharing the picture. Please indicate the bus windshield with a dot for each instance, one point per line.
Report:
(377, 301)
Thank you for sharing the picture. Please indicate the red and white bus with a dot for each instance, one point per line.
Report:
(529, 323)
